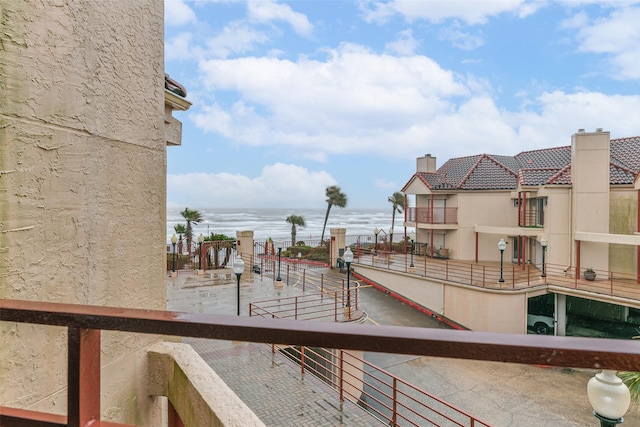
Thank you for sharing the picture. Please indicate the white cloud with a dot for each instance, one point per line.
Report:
(235, 38)
(404, 45)
(278, 186)
(177, 13)
(618, 36)
(462, 39)
(265, 11)
(469, 11)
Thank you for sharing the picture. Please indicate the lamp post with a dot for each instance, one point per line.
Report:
(502, 245)
(348, 257)
(412, 237)
(174, 240)
(376, 231)
(609, 397)
(279, 243)
(200, 240)
(543, 242)
(238, 268)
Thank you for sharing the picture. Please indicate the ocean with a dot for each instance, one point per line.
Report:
(267, 223)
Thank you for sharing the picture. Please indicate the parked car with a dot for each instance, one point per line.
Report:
(540, 324)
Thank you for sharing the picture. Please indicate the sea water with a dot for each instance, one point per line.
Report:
(271, 223)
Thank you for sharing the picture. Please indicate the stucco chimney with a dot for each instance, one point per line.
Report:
(426, 164)
(590, 163)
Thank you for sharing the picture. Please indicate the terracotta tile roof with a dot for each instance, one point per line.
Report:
(548, 166)
(173, 86)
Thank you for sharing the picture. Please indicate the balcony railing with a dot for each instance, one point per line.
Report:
(84, 324)
(436, 215)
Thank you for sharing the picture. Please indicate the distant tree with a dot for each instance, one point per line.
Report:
(180, 230)
(193, 217)
(397, 199)
(295, 220)
(335, 197)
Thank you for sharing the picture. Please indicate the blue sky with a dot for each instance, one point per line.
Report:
(290, 97)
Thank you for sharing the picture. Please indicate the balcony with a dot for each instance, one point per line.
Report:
(84, 324)
(435, 215)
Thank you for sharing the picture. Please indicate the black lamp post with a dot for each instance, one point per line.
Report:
(279, 243)
(543, 242)
(609, 397)
(376, 231)
(412, 237)
(348, 257)
(174, 240)
(502, 245)
(238, 268)
(200, 240)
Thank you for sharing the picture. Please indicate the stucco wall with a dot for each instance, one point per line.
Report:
(475, 308)
(82, 186)
(623, 219)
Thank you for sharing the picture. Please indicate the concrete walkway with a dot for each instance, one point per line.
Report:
(270, 384)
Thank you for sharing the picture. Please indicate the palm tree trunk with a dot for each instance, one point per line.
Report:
(326, 217)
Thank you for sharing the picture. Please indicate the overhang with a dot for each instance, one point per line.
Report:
(620, 239)
(176, 102)
(509, 231)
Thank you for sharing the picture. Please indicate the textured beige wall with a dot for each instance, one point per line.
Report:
(82, 185)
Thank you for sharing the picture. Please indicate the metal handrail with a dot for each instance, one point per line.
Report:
(88, 321)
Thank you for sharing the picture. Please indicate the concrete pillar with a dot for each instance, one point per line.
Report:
(244, 247)
(338, 240)
(561, 315)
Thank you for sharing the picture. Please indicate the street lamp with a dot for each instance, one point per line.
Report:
(174, 240)
(544, 243)
(412, 237)
(609, 397)
(348, 257)
(502, 245)
(200, 240)
(279, 243)
(238, 268)
(376, 231)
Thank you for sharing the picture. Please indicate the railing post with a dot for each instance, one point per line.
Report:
(341, 377)
(335, 309)
(296, 308)
(321, 287)
(304, 278)
(446, 266)
(302, 359)
(513, 278)
(288, 267)
(83, 376)
(484, 276)
(394, 419)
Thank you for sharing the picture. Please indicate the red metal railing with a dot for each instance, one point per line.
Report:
(327, 305)
(84, 324)
(389, 397)
(435, 215)
(618, 284)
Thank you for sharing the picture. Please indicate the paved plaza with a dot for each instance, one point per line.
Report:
(274, 388)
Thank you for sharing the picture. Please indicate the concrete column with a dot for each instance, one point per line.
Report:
(338, 240)
(561, 315)
(244, 247)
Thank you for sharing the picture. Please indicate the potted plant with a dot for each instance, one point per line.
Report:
(589, 274)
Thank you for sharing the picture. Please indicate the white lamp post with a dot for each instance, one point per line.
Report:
(348, 257)
(609, 397)
(279, 246)
(412, 237)
(238, 268)
(543, 243)
(502, 245)
(174, 240)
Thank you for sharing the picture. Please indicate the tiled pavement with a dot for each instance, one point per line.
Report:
(270, 384)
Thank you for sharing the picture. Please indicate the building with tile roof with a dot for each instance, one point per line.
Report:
(583, 198)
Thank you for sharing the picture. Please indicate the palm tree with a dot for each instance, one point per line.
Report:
(180, 229)
(334, 197)
(397, 199)
(193, 217)
(295, 220)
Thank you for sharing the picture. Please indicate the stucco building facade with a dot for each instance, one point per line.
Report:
(85, 120)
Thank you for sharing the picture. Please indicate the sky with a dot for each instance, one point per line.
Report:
(290, 97)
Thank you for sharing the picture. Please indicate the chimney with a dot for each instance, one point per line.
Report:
(426, 164)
